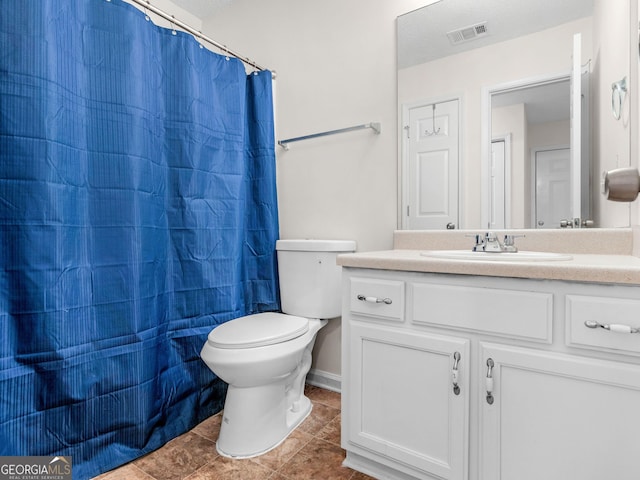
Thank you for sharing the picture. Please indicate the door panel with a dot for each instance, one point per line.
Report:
(552, 187)
(433, 184)
(555, 417)
(403, 402)
(497, 219)
(576, 129)
(432, 166)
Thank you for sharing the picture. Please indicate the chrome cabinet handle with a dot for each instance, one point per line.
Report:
(489, 381)
(612, 327)
(364, 298)
(454, 373)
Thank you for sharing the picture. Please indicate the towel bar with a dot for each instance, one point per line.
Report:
(373, 125)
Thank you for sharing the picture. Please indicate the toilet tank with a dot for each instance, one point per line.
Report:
(310, 279)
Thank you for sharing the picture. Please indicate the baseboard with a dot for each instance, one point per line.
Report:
(326, 380)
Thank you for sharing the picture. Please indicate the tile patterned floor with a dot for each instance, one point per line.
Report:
(311, 452)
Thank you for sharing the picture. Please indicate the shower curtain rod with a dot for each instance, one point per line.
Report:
(196, 33)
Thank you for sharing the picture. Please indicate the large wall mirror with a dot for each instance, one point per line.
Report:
(505, 113)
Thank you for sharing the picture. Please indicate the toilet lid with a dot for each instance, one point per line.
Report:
(258, 330)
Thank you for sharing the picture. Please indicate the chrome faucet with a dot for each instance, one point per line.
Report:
(489, 242)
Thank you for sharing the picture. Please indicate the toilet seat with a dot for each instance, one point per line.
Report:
(258, 330)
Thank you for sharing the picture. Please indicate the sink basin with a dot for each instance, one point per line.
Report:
(520, 256)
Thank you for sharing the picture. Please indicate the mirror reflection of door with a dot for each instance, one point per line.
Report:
(498, 184)
(551, 171)
(535, 115)
(541, 114)
(431, 164)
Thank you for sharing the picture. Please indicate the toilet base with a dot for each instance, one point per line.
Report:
(258, 418)
(251, 428)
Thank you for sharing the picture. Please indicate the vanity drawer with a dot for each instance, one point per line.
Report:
(378, 298)
(502, 312)
(603, 311)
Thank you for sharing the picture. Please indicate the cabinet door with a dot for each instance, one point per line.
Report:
(402, 403)
(558, 417)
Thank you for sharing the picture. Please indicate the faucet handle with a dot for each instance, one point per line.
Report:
(566, 223)
(510, 239)
(479, 239)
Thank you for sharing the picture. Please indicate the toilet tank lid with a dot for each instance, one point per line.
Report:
(258, 330)
(314, 245)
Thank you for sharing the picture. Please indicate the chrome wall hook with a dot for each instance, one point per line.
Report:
(433, 131)
(618, 94)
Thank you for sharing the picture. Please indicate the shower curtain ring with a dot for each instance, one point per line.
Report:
(146, 13)
(173, 27)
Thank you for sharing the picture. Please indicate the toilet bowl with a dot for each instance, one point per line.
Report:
(265, 399)
(265, 357)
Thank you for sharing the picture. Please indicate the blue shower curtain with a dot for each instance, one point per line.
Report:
(137, 212)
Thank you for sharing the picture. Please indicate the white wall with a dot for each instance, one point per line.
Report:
(611, 148)
(336, 67)
(634, 106)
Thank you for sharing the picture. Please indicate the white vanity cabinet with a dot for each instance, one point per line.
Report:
(539, 394)
(408, 390)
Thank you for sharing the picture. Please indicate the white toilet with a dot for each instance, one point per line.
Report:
(265, 357)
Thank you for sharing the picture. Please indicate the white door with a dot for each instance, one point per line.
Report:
(403, 402)
(552, 187)
(497, 219)
(558, 417)
(431, 166)
(579, 165)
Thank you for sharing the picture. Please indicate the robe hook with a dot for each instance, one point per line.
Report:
(434, 131)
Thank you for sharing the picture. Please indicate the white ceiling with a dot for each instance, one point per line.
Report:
(543, 103)
(422, 34)
(201, 8)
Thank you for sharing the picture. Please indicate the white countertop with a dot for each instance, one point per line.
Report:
(623, 269)
(617, 265)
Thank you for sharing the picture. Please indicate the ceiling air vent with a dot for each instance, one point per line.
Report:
(467, 33)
